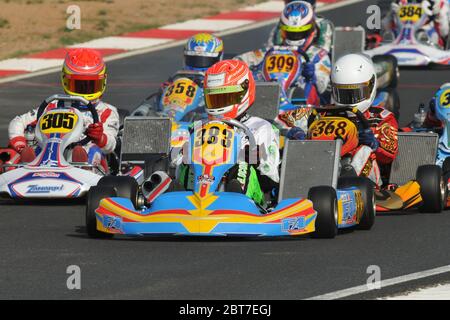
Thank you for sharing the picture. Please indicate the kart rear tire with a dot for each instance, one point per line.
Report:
(366, 187)
(433, 189)
(124, 186)
(324, 201)
(393, 68)
(95, 194)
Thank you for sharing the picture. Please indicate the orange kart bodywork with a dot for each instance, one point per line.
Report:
(404, 197)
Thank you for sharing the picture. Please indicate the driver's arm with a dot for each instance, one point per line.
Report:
(16, 129)
(110, 119)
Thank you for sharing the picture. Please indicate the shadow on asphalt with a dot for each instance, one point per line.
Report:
(80, 233)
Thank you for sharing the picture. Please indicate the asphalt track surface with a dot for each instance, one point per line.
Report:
(38, 242)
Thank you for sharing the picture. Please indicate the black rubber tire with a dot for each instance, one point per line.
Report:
(95, 194)
(124, 186)
(446, 166)
(390, 59)
(366, 187)
(324, 201)
(432, 188)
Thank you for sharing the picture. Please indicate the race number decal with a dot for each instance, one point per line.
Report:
(281, 63)
(332, 128)
(410, 13)
(57, 122)
(213, 144)
(444, 99)
(181, 93)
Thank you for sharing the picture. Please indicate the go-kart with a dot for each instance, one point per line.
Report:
(181, 100)
(210, 209)
(50, 175)
(409, 42)
(412, 180)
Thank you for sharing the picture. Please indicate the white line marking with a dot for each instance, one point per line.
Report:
(29, 64)
(384, 283)
(124, 43)
(207, 24)
(174, 44)
(269, 6)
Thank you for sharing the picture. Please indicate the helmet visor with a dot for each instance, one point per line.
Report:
(221, 97)
(297, 33)
(200, 61)
(84, 84)
(350, 94)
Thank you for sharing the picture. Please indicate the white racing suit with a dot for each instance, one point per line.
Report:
(438, 25)
(108, 116)
(318, 56)
(323, 39)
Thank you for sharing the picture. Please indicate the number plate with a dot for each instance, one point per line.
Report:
(57, 122)
(411, 13)
(281, 63)
(444, 99)
(213, 144)
(332, 128)
(180, 93)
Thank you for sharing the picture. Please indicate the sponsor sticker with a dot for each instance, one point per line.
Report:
(34, 188)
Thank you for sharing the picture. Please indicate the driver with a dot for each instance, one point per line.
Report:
(353, 82)
(229, 93)
(84, 75)
(437, 26)
(201, 51)
(298, 29)
(321, 34)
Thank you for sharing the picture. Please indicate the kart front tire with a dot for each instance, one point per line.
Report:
(95, 195)
(366, 187)
(433, 189)
(124, 186)
(324, 201)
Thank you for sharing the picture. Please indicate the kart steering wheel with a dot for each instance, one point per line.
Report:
(304, 55)
(62, 97)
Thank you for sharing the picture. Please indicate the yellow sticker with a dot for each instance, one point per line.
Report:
(213, 144)
(280, 63)
(57, 122)
(444, 100)
(410, 13)
(181, 93)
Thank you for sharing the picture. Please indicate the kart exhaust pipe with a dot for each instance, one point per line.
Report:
(155, 185)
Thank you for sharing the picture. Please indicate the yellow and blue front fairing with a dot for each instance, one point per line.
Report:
(219, 214)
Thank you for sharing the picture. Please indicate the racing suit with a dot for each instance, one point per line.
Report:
(323, 38)
(376, 163)
(254, 182)
(108, 116)
(437, 26)
(322, 69)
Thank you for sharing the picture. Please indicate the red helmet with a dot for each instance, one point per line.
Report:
(229, 89)
(84, 73)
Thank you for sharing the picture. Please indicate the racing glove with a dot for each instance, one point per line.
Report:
(296, 133)
(18, 143)
(367, 138)
(95, 132)
(309, 72)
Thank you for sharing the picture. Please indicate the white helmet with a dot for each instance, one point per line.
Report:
(354, 82)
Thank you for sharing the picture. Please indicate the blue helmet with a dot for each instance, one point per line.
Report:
(441, 102)
(202, 51)
(297, 24)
